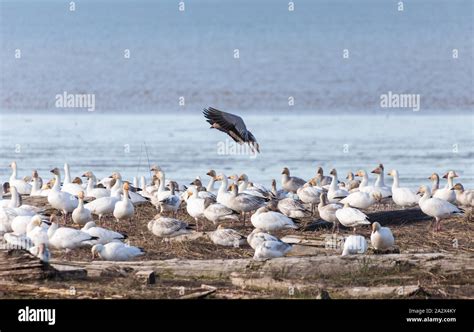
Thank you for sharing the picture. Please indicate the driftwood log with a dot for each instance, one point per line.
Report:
(21, 265)
(297, 268)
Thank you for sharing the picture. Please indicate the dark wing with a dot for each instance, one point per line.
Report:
(232, 125)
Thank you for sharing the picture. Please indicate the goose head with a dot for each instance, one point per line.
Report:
(320, 171)
(378, 169)
(393, 172)
(458, 187)
(333, 172)
(450, 175)
(220, 177)
(96, 250)
(243, 177)
(423, 189)
(197, 183)
(126, 186)
(55, 171)
(155, 168)
(212, 173)
(350, 176)
(77, 180)
(360, 173)
(36, 220)
(12, 165)
(80, 195)
(286, 171)
(434, 177)
(87, 174)
(375, 227)
(35, 174)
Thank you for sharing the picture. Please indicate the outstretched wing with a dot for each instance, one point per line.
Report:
(232, 125)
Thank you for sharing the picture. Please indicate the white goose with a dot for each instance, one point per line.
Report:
(434, 178)
(195, 205)
(37, 231)
(61, 200)
(327, 211)
(103, 235)
(351, 217)
(116, 251)
(362, 200)
(223, 196)
(258, 236)
(446, 193)
(244, 203)
(104, 205)
(463, 197)
(290, 183)
(226, 237)
(20, 224)
(435, 207)
(309, 195)
(168, 227)
(68, 185)
(271, 221)
(22, 187)
(381, 237)
(379, 182)
(67, 238)
(335, 193)
(403, 197)
(22, 209)
(172, 202)
(354, 244)
(271, 249)
(118, 188)
(91, 190)
(124, 209)
(216, 212)
(210, 186)
(37, 188)
(81, 215)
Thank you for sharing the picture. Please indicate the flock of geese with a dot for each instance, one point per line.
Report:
(232, 198)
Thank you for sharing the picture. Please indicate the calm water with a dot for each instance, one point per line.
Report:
(183, 145)
(191, 54)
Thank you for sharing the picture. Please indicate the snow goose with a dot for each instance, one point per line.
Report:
(232, 125)
(22, 187)
(104, 205)
(68, 185)
(61, 200)
(351, 217)
(323, 179)
(210, 186)
(244, 203)
(103, 235)
(172, 202)
(216, 212)
(335, 193)
(309, 195)
(202, 191)
(402, 196)
(257, 237)
(381, 237)
(81, 215)
(463, 197)
(271, 221)
(278, 194)
(168, 227)
(354, 244)
(446, 193)
(362, 200)
(327, 211)
(67, 238)
(251, 188)
(436, 207)
(20, 224)
(290, 183)
(124, 209)
(434, 178)
(118, 187)
(271, 249)
(364, 184)
(223, 196)
(195, 205)
(22, 209)
(226, 237)
(292, 208)
(91, 190)
(41, 251)
(116, 251)
(37, 188)
(37, 231)
(352, 183)
(379, 184)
